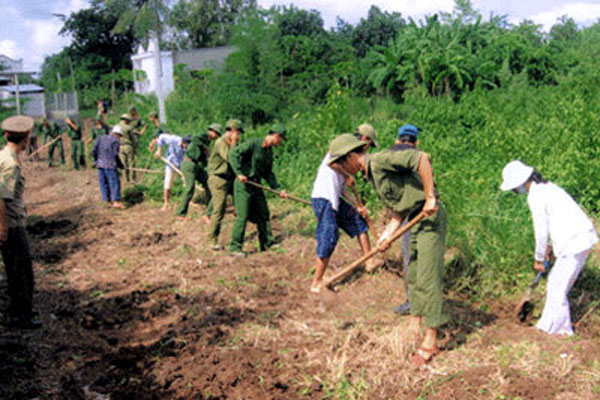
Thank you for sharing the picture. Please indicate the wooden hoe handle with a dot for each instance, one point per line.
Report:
(331, 281)
(268, 189)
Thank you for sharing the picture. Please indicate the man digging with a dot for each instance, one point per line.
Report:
(194, 169)
(403, 180)
(252, 161)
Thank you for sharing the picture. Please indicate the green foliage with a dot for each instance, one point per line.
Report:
(202, 23)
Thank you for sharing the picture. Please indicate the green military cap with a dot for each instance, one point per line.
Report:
(126, 116)
(234, 124)
(278, 128)
(18, 125)
(217, 128)
(43, 120)
(368, 131)
(131, 109)
(342, 145)
(153, 114)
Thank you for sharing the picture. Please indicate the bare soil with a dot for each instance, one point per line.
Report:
(135, 305)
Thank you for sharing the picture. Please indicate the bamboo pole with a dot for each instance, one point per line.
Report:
(331, 281)
(268, 189)
(43, 147)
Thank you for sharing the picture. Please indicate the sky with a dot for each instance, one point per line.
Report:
(29, 31)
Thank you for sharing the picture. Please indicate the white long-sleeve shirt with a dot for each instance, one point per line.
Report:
(556, 216)
(329, 184)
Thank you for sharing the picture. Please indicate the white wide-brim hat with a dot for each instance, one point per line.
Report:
(514, 174)
(117, 129)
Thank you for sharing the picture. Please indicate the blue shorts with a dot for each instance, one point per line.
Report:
(329, 220)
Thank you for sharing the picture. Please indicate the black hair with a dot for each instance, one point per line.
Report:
(358, 150)
(16, 139)
(407, 138)
(537, 177)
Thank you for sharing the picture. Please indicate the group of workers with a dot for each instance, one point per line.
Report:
(402, 176)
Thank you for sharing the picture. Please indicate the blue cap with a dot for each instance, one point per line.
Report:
(409, 130)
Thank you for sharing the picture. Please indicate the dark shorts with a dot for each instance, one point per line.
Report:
(329, 220)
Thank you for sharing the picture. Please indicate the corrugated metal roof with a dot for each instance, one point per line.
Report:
(24, 88)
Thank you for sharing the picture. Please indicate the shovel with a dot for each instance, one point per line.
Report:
(525, 307)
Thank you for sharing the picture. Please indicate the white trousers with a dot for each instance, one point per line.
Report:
(556, 317)
(168, 182)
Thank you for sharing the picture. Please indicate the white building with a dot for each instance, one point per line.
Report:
(10, 65)
(33, 96)
(144, 69)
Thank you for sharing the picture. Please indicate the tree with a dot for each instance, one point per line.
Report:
(204, 23)
(377, 29)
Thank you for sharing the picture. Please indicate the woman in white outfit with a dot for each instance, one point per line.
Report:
(557, 219)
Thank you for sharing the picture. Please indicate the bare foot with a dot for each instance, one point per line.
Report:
(165, 207)
(205, 219)
(119, 205)
(316, 287)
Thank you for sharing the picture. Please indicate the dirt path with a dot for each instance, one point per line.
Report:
(135, 306)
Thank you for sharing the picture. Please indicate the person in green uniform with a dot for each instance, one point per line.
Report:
(156, 127)
(51, 131)
(77, 155)
(194, 168)
(220, 178)
(252, 161)
(127, 150)
(403, 179)
(14, 244)
(138, 127)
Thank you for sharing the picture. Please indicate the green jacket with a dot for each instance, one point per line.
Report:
(394, 175)
(254, 161)
(74, 134)
(198, 149)
(50, 131)
(218, 161)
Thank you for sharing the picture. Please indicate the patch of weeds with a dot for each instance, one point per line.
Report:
(221, 282)
(346, 389)
(184, 250)
(97, 294)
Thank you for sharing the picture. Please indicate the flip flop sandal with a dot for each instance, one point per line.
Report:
(424, 356)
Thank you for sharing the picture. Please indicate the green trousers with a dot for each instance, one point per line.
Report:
(61, 153)
(193, 172)
(219, 189)
(426, 268)
(77, 154)
(250, 205)
(127, 156)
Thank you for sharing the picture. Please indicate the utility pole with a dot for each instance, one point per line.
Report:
(162, 117)
(17, 95)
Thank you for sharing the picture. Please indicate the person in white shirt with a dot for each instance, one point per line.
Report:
(333, 213)
(559, 219)
(176, 147)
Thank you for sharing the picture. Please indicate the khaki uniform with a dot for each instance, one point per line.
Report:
(220, 183)
(193, 168)
(256, 163)
(127, 151)
(394, 175)
(15, 250)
